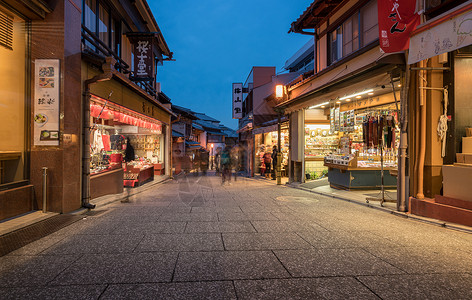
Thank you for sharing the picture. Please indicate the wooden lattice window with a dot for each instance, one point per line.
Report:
(6, 31)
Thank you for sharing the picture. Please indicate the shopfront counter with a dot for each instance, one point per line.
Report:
(347, 177)
(137, 176)
(106, 183)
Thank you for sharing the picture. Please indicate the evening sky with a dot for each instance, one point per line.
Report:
(216, 43)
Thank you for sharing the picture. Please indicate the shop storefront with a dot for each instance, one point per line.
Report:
(114, 129)
(265, 139)
(15, 194)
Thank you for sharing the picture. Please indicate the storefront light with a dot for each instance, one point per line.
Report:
(279, 91)
(319, 105)
(356, 94)
(370, 94)
(358, 97)
(348, 99)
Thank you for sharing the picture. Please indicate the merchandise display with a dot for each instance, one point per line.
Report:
(112, 131)
(265, 143)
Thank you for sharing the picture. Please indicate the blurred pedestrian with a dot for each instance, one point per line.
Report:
(236, 159)
(274, 161)
(226, 165)
(204, 161)
(218, 160)
(267, 160)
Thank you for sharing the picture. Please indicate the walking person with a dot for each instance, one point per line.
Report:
(128, 157)
(226, 165)
(267, 160)
(274, 162)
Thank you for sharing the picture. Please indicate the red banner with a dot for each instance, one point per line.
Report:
(397, 18)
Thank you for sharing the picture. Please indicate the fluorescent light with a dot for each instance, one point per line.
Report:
(357, 94)
(318, 105)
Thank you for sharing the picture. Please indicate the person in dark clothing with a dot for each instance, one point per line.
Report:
(204, 160)
(267, 160)
(274, 161)
(226, 165)
(129, 152)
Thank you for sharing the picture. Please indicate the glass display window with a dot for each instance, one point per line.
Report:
(14, 108)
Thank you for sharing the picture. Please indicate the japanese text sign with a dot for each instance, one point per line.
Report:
(397, 18)
(46, 102)
(143, 59)
(237, 100)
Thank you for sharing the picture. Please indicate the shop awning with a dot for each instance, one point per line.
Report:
(192, 145)
(354, 84)
(176, 134)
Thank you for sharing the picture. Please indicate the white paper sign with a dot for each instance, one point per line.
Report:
(445, 37)
(46, 102)
(237, 100)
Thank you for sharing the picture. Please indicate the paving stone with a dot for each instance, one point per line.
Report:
(284, 226)
(151, 228)
(186, 217)
(80, 244)
(200, 227)
(246, 217)
(263, 241)
(420, 286)
(181, 242)
(333, 262)
(36, 247)
(180, 290)
(303, 288)
(420, 260)
(78, 292)
(217, 209)
(341, 239)
(119, 268)
(228, 265)
(24, 271)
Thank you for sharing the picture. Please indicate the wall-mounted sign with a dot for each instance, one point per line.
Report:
(143, 51)
(453, 33)
(237, 100)
(46, 102)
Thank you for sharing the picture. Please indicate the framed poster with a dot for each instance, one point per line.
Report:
(46, 102)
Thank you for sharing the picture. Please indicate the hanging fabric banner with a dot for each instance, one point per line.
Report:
(397, 18)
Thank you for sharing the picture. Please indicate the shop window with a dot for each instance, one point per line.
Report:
(351, 35)
(370, 25)
(13, 108)
(103, 23)
(335, 45)
(357, 31)
(6, 31)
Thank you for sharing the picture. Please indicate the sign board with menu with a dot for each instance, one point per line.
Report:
(46, 102)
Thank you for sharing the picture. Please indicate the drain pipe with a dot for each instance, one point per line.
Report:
(402, 196)
(422, 147)
(107, 67)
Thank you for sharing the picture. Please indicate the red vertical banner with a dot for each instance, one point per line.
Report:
(397, 18)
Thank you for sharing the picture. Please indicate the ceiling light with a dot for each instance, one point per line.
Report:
(322, 106)
(348, 100)
(357, 94)
(399, 85)
(358, 97)
(370, 94)
(338, 102)
(318, 105)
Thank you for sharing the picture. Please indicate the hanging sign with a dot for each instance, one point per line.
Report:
(454, 33)
(237, 100)
(397, 18)
(46, 102)
(143, 51)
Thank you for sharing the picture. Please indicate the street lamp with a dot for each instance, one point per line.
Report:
(279, 94)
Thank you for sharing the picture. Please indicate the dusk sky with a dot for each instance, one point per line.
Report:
(216, 42)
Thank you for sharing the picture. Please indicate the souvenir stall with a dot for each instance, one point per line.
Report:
(264, 143)
(366, 156)
(114, 129)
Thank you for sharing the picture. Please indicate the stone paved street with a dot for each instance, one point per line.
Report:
(192, 238)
